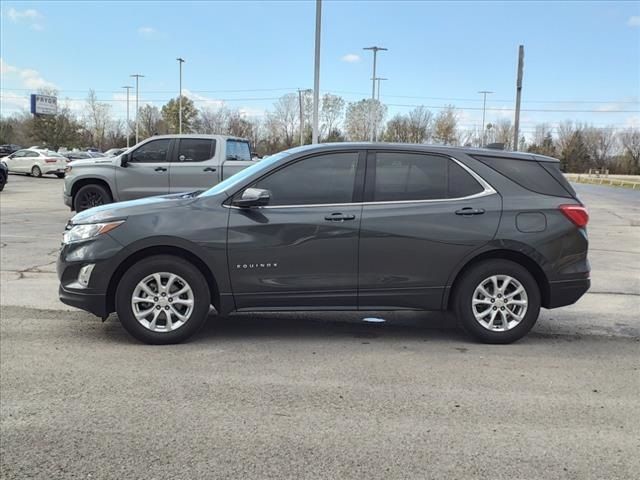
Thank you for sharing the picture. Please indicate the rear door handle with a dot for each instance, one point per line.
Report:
(339, 217)
(160, 169)
(209, 169)
(468, 211)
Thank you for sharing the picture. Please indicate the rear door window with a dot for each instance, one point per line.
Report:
(196, 149)
(461, 183)
(409, 176)
(528, 174)
(238, 150)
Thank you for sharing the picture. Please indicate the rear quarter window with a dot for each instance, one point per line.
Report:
(529, 174)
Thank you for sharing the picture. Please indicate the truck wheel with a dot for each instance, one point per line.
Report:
(91, 195)
(36, 172)
(162, 300)
(497, 301)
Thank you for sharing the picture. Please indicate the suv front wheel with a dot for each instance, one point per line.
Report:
(162, 300)
(497, 301)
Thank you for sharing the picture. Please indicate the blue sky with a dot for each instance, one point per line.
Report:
(578, 55)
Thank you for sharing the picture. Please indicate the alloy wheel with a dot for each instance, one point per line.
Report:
(499, 303)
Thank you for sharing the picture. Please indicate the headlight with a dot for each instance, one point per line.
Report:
(77, 233)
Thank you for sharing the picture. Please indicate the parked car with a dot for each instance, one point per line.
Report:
(8, 149)
(4, 175)
(77, 155)
(37, 162)
(491, 235)
(114, 152)
(156, 166)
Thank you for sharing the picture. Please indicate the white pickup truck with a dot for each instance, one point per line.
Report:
(156, 166)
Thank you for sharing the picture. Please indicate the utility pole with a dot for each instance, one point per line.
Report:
(516, 123)
(137, 76)
(127, 88)
(316, 73)
(301, 101)
(373, 87)
(379, 79)
(484, 108)
(180, 62)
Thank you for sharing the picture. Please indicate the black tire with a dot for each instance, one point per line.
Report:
(156, 264)
(463, 297)
(60, 175)
(36, 172)
(91, 195)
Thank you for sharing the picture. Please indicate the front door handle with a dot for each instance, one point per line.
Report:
(339, 217)
(160, 169)
(209, 169)
(468, 211)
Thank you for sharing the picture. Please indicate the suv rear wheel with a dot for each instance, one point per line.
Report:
(162, 299)
(497, 301)
(89, 196)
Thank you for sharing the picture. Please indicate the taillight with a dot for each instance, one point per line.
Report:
(576, 213)
(50, 160)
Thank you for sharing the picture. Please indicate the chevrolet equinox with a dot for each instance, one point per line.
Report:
(491, 235)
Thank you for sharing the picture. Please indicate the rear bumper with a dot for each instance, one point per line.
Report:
(567, 292)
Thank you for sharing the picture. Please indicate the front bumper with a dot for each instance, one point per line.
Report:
(105, 254)
(567, 292)
(68, 200)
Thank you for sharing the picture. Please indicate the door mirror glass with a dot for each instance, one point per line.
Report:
(253, 197)
(124, 160)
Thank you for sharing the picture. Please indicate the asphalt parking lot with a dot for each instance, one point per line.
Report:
(316, 396)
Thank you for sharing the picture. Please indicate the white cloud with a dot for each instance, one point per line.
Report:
(147, 32)
(634, 21)
(202, 101)
(350, 58)
(27, 77)
(31, 16)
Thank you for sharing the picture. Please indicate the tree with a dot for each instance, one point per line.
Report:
(361, 117)
(214, 121)
(504, 133)
(285, 118)
(171, 115)
(330, 114)
(445, 126)
(54, 131)
(398, 129)
(600, 143)
(97, 118)
(150, 121)
(419, 122)
(575, 155)
(630, 140)
(544, 147)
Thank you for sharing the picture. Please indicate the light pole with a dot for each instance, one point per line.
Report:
(180, 62)
(137, 76)
(127, 88)
(301, 101)
(484, 107)
(373, 87)
(379, 79)
(316, 73)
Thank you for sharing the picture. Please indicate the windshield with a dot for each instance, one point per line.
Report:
(247, 172)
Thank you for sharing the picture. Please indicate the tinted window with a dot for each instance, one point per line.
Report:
(409, 176)
(554, 170)
(238, 150)
(316, 180)
(526, 173)
(195, 150)
(461, 183)
(31, 154)
(154, 151)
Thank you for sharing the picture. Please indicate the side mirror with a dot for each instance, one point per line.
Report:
(253, 197)
(124, 160)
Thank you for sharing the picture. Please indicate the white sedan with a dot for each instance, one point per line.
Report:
(36, 162)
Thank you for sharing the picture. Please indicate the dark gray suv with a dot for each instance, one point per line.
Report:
(491, 235)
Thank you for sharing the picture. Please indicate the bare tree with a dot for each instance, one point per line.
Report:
(445, 126)
(420, 120)
(150, 121)
(504, 133)
(285, 116)
(214, 120)
(97, 118)
(600, 143)
(630, 140)
(331, 113)
(398, 129)
(358, 119)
